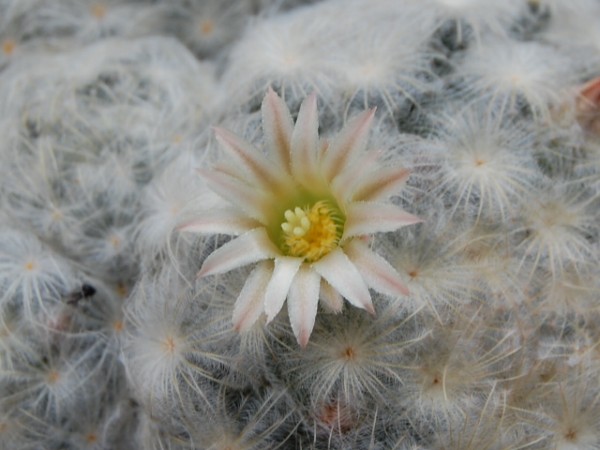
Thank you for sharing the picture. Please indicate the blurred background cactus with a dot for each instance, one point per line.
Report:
(108, 340)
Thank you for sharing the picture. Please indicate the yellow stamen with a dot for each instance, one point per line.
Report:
(312, 232)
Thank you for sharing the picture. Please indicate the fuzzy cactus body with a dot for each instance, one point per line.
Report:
(294, 224)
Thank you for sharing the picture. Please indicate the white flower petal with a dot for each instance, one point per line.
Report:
(255, 245)
(305, 142)
(351, 141)
(381, 184)
(277, 128)
(302, 303)
(331, 298)
(286, 268)
(345, 184)
(261, 171)
(341, 274)
(249, 304)
(377, 272)
(247, 198)
(221, 221)
(370, 217)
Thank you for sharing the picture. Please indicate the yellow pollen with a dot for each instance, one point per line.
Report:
(311, 233)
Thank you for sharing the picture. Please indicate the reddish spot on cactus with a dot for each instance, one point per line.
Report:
(571, 434)
(8, 47)
(336, 415)
(349, 353)
(98, 10)
(169, 344)
(122, 290)
(207, 27)
(53, 376)
(588, 106)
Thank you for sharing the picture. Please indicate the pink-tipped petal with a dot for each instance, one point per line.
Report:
(247, 198)
(260, 170)
(351, 141)
(588, 106)
(590, 92)
(302, 303)
(343, 276)
(305, 141)
(255, 245)
(249, 304)
(285, 270)
(344, 185)
(370, 217)
(220, 221)
(277, 128)
(330, 298)
(376, 271)
(386, 182)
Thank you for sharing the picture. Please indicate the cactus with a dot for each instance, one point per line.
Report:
(202, 227)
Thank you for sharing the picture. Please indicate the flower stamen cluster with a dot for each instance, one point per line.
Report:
(312, 232)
